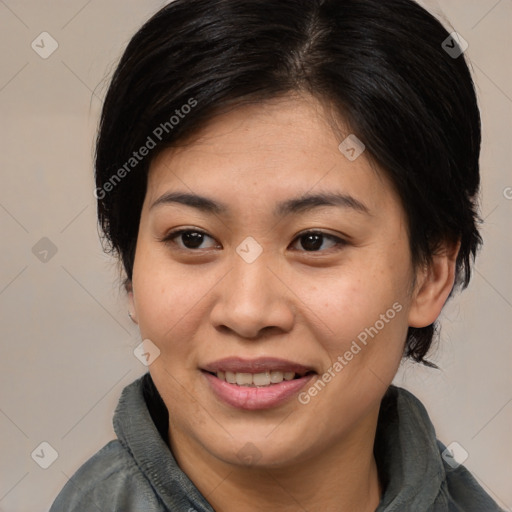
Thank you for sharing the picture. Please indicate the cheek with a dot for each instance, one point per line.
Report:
(169, 310)
(349, 301)
(366, 319)
(366, 315)
(167, 297)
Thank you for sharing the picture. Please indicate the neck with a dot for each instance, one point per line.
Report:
(343, 477)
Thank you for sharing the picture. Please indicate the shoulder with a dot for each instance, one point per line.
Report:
(458, 489)
(109, 481)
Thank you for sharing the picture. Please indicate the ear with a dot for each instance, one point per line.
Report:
(434, 284)
(131, 303)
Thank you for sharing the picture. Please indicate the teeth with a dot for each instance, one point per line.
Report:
(276, 377)
(261, 379)
(256, 379)
(230, 377)
(244, 379)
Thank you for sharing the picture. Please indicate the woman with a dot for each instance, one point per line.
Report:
(291, 188)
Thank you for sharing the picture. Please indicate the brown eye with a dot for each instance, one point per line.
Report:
(187, 238)
(312, 241)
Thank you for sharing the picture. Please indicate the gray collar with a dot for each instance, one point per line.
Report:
(407, 454)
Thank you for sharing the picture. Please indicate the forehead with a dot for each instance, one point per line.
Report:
(266, 152)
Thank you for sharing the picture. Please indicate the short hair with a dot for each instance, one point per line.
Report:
(381, 66)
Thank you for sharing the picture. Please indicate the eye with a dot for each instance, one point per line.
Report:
(189, 238)
(312, 241)
(192, 239)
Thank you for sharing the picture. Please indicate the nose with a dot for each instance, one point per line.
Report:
(252, 300)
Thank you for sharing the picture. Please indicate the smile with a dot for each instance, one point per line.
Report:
(256, 384)
(267, 378)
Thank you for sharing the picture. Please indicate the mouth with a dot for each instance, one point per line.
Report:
(256, 384)
(258, 380)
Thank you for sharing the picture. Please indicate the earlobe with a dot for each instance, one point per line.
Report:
(434, 285)
(131, 302)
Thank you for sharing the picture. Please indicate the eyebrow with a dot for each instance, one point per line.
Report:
(290, 206)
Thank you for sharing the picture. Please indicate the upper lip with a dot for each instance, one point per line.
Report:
(259, 365)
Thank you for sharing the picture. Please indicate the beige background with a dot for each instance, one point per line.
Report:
(67, 343)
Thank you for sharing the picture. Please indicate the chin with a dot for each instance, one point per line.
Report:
(252, 451)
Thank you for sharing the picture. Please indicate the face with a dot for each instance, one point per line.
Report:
(289, 273)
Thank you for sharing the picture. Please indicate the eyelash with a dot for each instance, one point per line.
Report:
(169, 239)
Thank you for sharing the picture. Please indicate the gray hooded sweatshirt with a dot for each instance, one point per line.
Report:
(138, 473)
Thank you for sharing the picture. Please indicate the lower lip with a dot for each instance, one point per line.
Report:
(253, 398)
